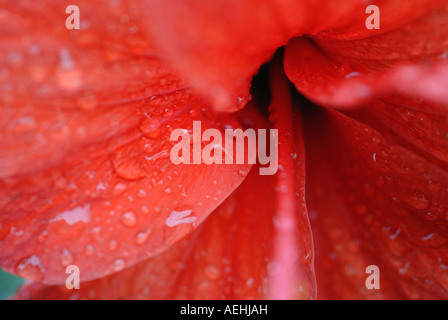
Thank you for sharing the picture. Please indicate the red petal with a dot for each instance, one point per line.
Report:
(257, 244)
(374, 202)
(227, 257)
(86, 175)
(343, 72)
(385, 203)
(419, 124)
(219, 45)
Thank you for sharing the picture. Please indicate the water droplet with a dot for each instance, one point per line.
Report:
(433, 186)
(119, 188)
(69, 80)
(78, 214)
(194, 113)
(273, 268)
(242, 172)
(22, 124)
(419, 202)
(127, 168)
(150, 128)
(352, 74)
(307, 258)
(442, 264)
(89, 250)
(43, 237)
(129, 219)
(30, 268)
(96, 234)
(141, 237)
(100, 186)
(16, 232)
(113, 245)
(376, 140)
(180, 217)
(427, 237)
(212, 272)
(118, 265)
(167, 113)
(390, 232)
(66, 257)
(159, 155)
(145, 209)
(87, 102)
(141, 193)
(431, 215)
(405, 268)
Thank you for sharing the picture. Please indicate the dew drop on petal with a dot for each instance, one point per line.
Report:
(180, 217)
(145, 209)
(87, 102)
(96, 234)
(30, 268)
(78, 214)
(141, 237)
(129, 219)
(66, 257)
(150, 128)
(42, 237)
(434, 187)
(273, 268)
(419, 202)
(212, 272)
(194, 113)
(118, 265)
(141, 193)
(431, 216)
(69, 80)
(113, 245)
(89, 250)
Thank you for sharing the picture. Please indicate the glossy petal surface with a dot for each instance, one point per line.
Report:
(86, 176)
(374, 202)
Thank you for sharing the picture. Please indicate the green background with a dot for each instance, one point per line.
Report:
(8, 284)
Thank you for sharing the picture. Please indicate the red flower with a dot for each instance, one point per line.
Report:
(86, 177)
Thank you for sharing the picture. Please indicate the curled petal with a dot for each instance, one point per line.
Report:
(219, 45)
(344, 73)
